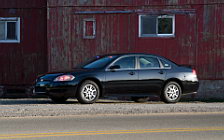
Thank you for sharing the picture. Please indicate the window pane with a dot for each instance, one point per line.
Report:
(165, 26)
(126, 63)
(2, 30)
(11, 30)
(165, 64)
(148, 24)
(148, 62)
(89, 28)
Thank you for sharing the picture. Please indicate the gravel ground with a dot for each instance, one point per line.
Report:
(44, 107)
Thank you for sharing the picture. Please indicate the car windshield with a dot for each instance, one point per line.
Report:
(99, 62)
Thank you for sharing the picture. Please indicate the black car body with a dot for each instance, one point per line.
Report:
(135, 75)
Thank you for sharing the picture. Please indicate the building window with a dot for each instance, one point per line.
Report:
(89, 28)
(9, 30)
(156, 26)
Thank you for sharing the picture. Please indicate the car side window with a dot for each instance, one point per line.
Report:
(126, 63)
(148, 62)
(165, 64)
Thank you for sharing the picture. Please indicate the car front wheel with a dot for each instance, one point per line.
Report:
(171, 93)
(88, 92)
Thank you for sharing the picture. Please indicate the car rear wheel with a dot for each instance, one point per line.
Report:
(58, 99)
(171, 93)
(140, 99)
(88, 92)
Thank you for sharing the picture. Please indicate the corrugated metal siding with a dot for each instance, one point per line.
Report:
(198, 40)
(211, 42)
(129, 3)
(21, 62)
(67, 46)
(22, 4)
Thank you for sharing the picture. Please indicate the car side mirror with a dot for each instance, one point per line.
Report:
(114, 67)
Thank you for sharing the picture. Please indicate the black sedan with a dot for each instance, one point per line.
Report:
(134, 75)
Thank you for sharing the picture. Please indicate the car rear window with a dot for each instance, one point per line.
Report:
(166, 64)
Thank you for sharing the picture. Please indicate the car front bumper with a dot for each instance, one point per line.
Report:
(48, 88)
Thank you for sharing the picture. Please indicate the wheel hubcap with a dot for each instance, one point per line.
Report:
(89, 92)
(172, 92)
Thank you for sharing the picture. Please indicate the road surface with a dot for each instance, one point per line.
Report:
(177, 126)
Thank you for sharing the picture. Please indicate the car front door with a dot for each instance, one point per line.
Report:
(151, 76)
(123, 78)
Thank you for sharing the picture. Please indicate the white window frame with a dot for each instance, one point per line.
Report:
(157, 34)
(84, 28)
(17, 21)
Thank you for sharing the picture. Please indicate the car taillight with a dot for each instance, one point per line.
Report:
(194, 72)
(64, 78)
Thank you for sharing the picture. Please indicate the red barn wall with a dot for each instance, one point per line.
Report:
(21, 62)
(52, 36)
(198, 39)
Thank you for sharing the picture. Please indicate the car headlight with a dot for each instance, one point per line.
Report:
(63, 78)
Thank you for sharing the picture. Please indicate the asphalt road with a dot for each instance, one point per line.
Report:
(199, 126)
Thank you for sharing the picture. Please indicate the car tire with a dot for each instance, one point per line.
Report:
(88, 92)
(172, 92)
(58, 99)
(140, 99)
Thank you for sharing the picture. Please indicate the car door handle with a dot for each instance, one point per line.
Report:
(131, 73)
(161, 72)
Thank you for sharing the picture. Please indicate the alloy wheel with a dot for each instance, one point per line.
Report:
(89, 92)
(173, 92)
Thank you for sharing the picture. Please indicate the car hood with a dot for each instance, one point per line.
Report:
(70, 71)
(52, 75)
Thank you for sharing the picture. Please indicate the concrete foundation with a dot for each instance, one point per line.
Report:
(209, 90)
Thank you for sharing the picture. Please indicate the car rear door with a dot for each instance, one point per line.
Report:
(123, 80)
(151, 74)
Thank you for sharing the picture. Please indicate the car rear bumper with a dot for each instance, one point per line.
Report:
(190, 87)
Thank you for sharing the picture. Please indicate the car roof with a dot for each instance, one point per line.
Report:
(121, 54)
